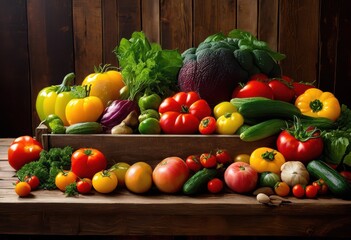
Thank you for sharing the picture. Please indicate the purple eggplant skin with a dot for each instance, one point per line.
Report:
(116, 112)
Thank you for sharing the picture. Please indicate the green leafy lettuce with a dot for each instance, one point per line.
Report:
(337, 142)
(146, 66)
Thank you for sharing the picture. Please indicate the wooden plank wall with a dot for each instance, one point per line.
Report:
(42, 40)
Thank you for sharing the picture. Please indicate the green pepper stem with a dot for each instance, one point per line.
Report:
(65, 86)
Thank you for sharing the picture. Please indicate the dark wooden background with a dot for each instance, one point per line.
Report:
(43, 40)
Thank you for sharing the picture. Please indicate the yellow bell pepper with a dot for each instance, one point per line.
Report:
(53, 99)
(265, 159)
(316, 103)
(106, 83)
(223, 108)
(87, 109)
(229, 123)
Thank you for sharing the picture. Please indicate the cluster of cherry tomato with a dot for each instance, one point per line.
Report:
(219, 157)
(24, 188)
(318, 187)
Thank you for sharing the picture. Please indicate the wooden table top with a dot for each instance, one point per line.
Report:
(123, 213)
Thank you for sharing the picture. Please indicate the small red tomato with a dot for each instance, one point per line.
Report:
(193, 163)
(215, 185)
(311, 191)
(207, 125)
(321, 186)
(223, 156)
(33, 181)
(298, 191)
(208, 160)
(84, 185)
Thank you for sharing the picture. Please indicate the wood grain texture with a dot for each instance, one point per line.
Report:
(298, 38)
(268, 11)
(247, 12)
(87, 25)
(176, 24)
(50, 45)
(110, 31)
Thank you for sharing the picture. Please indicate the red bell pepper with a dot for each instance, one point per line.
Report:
(182, 113)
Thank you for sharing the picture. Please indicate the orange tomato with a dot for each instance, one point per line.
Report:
(138, 178)
(282, 189)
(22, 189)
(64, 178)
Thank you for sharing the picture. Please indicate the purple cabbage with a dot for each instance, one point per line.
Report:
(116, 112)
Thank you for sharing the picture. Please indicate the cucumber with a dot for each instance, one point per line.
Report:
(84, 128)
(198, 181)
(336, 183)
(321, 123)
(263, 129)
(237, 102)
(268, 109)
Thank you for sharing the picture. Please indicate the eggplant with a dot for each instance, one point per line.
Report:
(116, 112)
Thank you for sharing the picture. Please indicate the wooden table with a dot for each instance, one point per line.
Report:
(123, 213)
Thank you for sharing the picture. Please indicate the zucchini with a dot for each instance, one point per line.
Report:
(84, 128)
(263, 129)
(336, 183)
(268, 109)
(198, 181)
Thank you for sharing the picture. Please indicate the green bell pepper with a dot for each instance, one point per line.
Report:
(149, 101)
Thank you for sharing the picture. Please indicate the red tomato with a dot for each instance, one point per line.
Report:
(33, 181)
(215, 185)
(23, 150)
(208, 160)
(259, 76)
(240, 177)
(282, 90)
(294, 148)
(182, 113)
(207, 125)
(311, 191)
(223, 156)
(84, 185)
(170, 174)
(193, 163)
(253, 88)
(301, 87)
(85, 162)
(298, 191)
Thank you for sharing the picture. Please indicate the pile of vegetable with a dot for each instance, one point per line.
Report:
(228, 85)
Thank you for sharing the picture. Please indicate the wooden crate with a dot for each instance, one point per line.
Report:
(132, 148)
